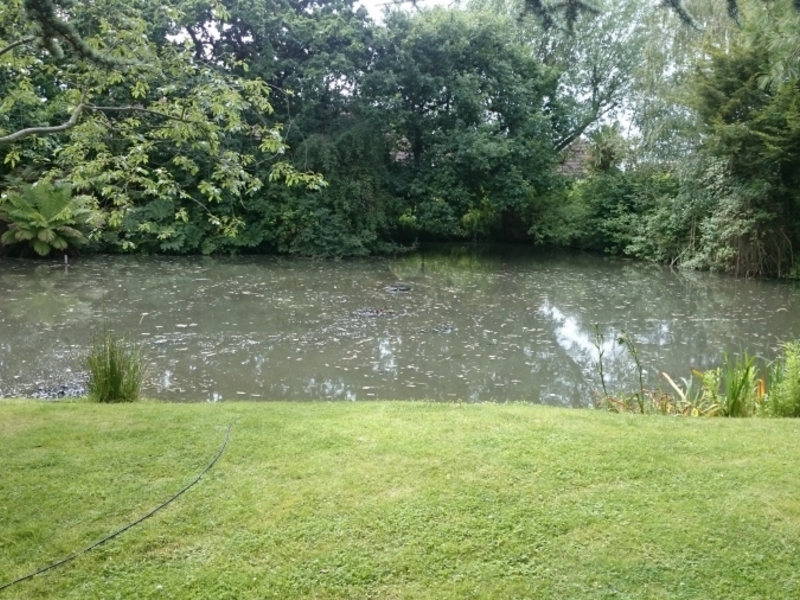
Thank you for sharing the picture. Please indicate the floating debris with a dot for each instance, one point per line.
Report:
(374, 312)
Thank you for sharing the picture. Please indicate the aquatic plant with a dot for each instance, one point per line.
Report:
(626, 340)
(624, 403)
(738, 388)
(783, 399)
(740, 379)
(663, 403)
(692, 401)
(116, 366)
(643, 399)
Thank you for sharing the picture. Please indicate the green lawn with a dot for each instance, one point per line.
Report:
(397, 500)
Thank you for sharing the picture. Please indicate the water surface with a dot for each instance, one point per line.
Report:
(449, 324)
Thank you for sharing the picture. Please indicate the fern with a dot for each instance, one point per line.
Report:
(44, 218)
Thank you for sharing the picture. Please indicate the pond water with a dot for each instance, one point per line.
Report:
(450, 324)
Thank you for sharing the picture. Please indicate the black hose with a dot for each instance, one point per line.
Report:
(130, 525)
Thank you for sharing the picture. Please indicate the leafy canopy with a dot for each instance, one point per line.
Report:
(112, 98)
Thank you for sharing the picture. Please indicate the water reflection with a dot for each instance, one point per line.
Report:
(463, 324)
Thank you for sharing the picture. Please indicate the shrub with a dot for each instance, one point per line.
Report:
(116, 367)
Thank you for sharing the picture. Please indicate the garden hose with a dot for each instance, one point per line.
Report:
(129, 526)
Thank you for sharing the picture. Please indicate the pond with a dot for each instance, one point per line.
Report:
(450, 323)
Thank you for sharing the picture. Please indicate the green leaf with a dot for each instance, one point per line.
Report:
(41, 248)
(46, 235)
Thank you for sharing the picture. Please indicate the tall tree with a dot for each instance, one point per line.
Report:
(315, 56)
(111, 98)
(565, 13)
(473, 118)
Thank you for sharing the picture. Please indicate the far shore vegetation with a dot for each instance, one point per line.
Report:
(396, 500)
(662, 131)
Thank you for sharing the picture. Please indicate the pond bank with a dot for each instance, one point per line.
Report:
(397, 500)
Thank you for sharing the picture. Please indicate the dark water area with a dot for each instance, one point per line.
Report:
(449, 324)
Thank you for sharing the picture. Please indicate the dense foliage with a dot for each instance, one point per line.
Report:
(106, 98)
(729, 202)
(474, 119)
(176, 127)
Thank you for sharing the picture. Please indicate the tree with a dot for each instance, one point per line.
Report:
(473, 120)
(315, 55)
(599, 59)
(751, 128)
(727, 199)
(565, 13)
(112, 99)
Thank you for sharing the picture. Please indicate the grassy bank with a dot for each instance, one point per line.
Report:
(397, 500)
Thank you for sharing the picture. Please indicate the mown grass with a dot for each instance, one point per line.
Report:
(397, 500)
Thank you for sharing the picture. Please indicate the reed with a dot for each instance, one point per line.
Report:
(738, 377)
(626, 340)
(783, 399)
(116, 366)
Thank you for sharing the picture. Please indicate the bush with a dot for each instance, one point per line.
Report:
(116, 368)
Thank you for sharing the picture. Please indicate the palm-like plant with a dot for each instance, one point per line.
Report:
(44, 216)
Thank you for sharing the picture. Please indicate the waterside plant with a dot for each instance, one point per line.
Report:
(743, 386)
(116, 365)
(784, 397)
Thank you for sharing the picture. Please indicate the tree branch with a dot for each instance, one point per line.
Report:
(137, 109)
(46, 14)
(199, 49)
(73, 120)
(584, 125)
(22, 133)
(572, 136)
(13, 45)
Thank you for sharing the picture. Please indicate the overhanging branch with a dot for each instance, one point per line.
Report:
(583, 126)
(13, 45)
(23, 133)
(73, 120)
(137, 109)
(53, 19)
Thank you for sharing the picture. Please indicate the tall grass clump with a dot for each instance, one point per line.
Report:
(743, 386)
(116, 366)
(784, 395)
